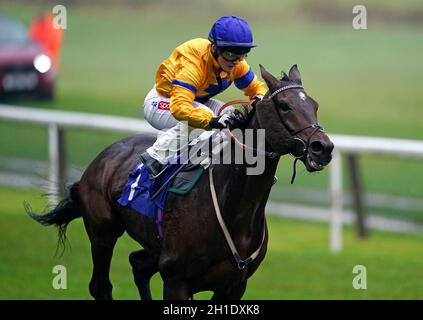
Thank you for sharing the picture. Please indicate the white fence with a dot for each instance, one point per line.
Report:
(57, 121)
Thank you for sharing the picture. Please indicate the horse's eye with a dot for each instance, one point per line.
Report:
(284, 106)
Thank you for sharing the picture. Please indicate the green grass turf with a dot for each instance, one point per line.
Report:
(298, 264)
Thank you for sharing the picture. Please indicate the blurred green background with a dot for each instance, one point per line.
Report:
(367, 82)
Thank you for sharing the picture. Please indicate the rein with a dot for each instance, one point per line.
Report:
(267, 154)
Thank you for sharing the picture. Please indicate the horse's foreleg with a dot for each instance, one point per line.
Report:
(144, 266)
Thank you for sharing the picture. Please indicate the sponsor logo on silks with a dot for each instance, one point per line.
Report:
(154, 104)
(163, 105)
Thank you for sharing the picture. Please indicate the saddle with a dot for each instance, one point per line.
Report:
(186, 180)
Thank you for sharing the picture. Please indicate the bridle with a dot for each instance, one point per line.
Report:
(270, 154)
(305, 144)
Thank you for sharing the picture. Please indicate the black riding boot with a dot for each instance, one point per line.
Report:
(153, 166)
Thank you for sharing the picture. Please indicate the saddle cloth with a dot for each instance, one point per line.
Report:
(139, 189)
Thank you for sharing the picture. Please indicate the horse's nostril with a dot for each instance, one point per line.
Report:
(317, 147)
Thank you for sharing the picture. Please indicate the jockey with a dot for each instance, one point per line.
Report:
(196, 71)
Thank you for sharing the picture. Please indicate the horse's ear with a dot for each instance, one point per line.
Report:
(294, 74)
(271, 81)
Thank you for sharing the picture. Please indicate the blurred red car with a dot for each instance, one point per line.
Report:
(25, 67)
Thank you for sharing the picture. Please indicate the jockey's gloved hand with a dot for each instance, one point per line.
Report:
(231, 120)
(220, 122)
(237, 120)
(256, 99)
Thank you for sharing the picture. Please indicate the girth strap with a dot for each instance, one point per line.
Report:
(241, 264)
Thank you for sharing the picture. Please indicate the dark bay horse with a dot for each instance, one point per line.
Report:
(194, 255)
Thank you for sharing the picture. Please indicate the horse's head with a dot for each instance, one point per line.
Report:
(289, 117)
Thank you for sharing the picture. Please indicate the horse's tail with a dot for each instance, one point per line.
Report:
(67, 210)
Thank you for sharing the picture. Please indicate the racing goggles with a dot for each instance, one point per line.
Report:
(231, 57)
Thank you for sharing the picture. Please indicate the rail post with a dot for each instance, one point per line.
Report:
(357, 195)
(56, 163)
(336, 202)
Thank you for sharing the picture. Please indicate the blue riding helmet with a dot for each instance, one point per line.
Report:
(231, 31)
